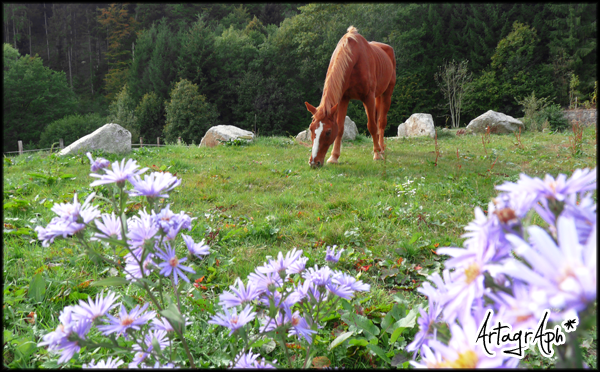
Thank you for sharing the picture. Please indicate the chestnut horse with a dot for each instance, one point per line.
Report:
(358, 70)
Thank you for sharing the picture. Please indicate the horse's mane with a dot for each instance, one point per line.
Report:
(340, 59)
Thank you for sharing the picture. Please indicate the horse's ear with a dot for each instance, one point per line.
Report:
(311, 108)
(333, 109)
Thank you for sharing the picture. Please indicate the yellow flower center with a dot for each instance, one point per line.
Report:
(468, 359)
(472, 272)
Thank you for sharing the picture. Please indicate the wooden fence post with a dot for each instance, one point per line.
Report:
(141, 143)
(20, 143)
(62, 143)
(179, 141)
(158, 141)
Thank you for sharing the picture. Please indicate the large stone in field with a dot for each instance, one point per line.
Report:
(350, 132)
(417, 125)
(497, 121)
(224, 133)
(111, 138)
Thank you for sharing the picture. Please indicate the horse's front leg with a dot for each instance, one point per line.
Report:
(369, 104)
(340, 119)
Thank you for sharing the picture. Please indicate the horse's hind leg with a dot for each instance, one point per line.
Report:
(370, 108)
(340, 118)
(382, 104)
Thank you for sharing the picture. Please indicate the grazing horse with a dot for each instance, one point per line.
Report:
(358, 70)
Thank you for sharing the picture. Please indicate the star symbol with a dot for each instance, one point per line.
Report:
(570, 324)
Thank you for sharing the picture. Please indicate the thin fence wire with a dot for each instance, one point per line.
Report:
(56, 149)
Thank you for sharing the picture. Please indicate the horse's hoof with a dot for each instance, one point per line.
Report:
(331, 160)
(377, 156)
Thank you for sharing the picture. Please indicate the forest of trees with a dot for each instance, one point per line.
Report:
(174, 70)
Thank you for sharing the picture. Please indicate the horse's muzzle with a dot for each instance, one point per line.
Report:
(315, 164)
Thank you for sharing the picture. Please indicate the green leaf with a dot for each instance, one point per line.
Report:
(358, 342)
(156, 346)
(388, 320)
(415, 237)
(399, 358)
(172, 313)
(360, 323)
(114, 281)
(409, 320)
(37, 288)
(396, 334)
(380, 353)
(339, 339)
(27, 348)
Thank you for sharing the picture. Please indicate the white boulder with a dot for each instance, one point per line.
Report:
(350, 132)
(111, 138)
(497, 121)
(417, 125)
(224, 133)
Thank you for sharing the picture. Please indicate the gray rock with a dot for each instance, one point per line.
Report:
(497, 121)
(111, 138)
(417, 125)
(224, 133)
(350, 132)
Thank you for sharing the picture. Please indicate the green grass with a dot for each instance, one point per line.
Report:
(252, 201)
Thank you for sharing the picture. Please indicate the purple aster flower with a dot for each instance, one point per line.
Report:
(461, 351)
(298, 266)
(283, 317)
(172, 264)
(119, 173)
(300, 328)
(157, 365)
(198, 250)
(584, 214)
(110, 363)
(331, 256)
(567, 271)
(302, 290)
(262, 282)
(522, 310)
(281, 264)
(154, 185)
(141, 229)
(61, 340)
(350, 282)
(97, 164)
(426, 323)
(249, 360)
(125, 321)
(110, 227)
(233, 320)
(162, 324)
(320, 277)
(290, 299)
(132, 269)
(171, 223)
(240, 294)
(246, 360)
(95, 308)
(142, 353)
(55, 229)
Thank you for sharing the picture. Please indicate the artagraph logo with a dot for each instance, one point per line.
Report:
(502, 334)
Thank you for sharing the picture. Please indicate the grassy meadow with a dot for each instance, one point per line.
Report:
(252, 201)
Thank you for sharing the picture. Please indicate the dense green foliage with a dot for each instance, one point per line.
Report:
(70, 128)
(34, 96)
(188, 114)
(258, 63)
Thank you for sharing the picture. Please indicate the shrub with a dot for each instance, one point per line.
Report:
(150, 117)
(555, 116)
(70, 128)
(189, 115)
(122, 112)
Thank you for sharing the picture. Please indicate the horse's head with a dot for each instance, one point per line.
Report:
(323, 131)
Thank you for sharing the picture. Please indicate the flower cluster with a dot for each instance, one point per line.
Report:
(293, 309)
(555, 269)
(150, 241)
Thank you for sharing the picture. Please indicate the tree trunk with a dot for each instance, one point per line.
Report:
(70, 53)
(14, 29)
(47, 42)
